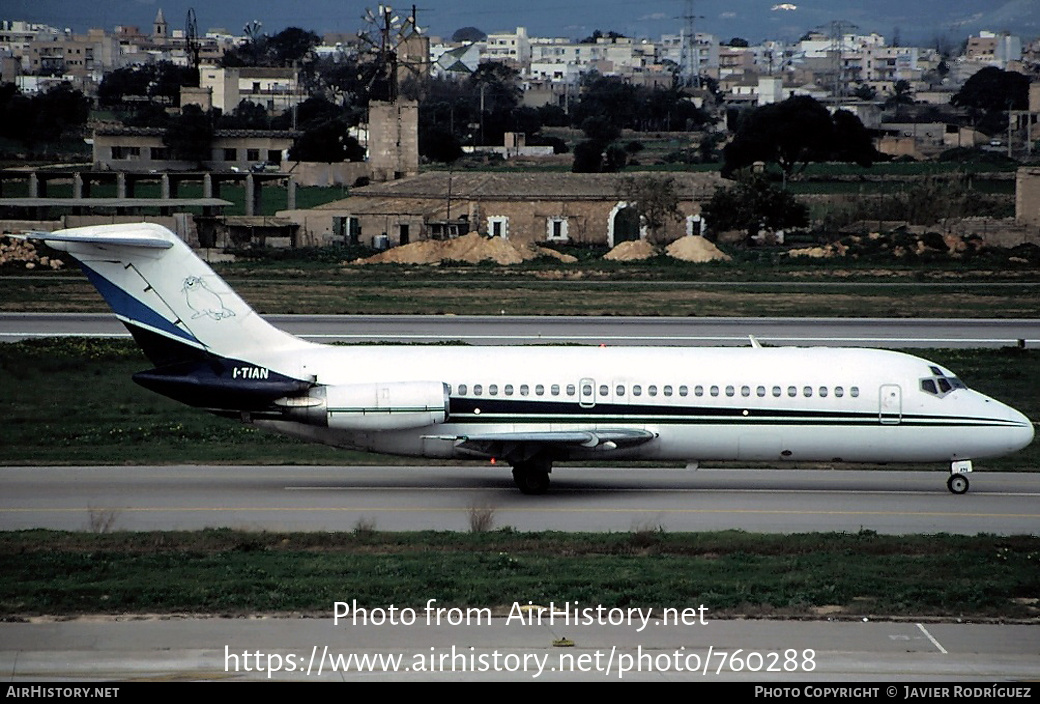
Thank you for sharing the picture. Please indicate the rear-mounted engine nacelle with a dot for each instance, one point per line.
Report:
(391, 406)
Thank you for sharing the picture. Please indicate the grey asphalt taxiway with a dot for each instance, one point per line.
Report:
(509, 329)
(580, 499)
(706, 649)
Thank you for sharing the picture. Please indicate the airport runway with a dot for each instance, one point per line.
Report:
(580, 499)
(501, 330)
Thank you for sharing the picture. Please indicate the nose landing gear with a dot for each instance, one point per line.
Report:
(958, 481)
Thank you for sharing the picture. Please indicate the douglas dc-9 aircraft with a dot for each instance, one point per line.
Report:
(531, 406)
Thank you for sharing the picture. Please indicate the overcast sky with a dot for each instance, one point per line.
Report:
(755, 20)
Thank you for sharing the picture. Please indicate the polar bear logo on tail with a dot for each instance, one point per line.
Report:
(203, 300)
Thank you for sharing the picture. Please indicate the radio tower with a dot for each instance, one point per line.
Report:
(690, 56)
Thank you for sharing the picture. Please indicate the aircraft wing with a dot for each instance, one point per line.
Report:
(524, 445)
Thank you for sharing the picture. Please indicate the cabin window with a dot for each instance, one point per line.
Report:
(944, 385)
(792, 391)
(714, 391)
(838, 391)
(570, 389)
(539, 390)
(637, 390)
(854, 392)
(807, 392)
(730, 391)
(493, 389)
(604, 390)
(586, 390)
(745, 391)
(698, 390)
(760, 391)
(478, 389)
(667, 390)
(777, 391)
(683, 391)
(555, 390)
(823, 392)
(620, 390)
(928, 386)
(462, 389)
(524, 389)
(652, 390)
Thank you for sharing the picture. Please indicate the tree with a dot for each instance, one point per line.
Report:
(865, 92)
(160, 83)
(597, 35)
(45, 117)
(190, 135)
(795, 132)
(902, 94)
(290, 46)
(753, 203)
(656, 199)
(989, 94)
(328, 142)
(588, 157)
(246, 116)
(468, 34)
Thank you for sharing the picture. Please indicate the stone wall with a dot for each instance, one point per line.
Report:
(1027, 196)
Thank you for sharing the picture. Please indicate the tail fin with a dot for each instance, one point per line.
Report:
(175, 306)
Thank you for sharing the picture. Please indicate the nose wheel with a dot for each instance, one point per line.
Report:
(957, 484)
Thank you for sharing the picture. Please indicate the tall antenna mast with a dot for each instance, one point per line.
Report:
(690, 55)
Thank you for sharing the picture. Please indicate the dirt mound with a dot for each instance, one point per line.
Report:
(631, 251)
(547, 252)
(471, 248)
(900, 243)
(22, 254)
(694, 248)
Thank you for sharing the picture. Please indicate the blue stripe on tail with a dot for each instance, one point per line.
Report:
(129, 307)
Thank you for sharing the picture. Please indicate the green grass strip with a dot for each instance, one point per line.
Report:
(231, 572)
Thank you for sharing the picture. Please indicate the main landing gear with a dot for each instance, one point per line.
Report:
(958, 481)
(532, 477)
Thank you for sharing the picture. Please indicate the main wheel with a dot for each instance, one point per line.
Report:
(957, 483)
(531, 479)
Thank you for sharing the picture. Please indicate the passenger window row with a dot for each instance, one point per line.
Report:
(653, 390)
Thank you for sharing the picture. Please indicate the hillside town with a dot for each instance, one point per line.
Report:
(594, 140)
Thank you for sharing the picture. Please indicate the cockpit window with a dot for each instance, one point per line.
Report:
(940, 384)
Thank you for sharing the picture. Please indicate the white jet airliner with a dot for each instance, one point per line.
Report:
(531, 406)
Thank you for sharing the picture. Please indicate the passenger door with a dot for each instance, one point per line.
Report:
(890, 404)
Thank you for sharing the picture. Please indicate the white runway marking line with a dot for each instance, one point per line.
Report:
(928, 635)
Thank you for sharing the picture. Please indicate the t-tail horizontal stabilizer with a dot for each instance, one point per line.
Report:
(176, 307)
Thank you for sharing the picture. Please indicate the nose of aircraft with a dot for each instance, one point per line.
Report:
(1021, 434)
